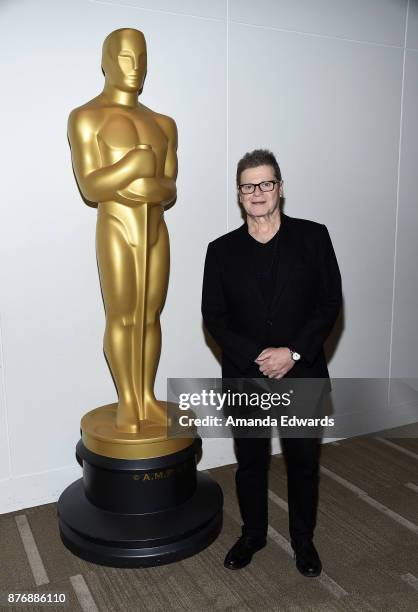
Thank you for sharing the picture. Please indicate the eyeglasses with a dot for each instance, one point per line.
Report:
(264, 186)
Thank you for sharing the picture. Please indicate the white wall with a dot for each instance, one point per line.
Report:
(329, 86)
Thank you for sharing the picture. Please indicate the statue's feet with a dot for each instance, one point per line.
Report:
(126, 420)
(157, 412)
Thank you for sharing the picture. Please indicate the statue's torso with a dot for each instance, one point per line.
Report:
(121, 130)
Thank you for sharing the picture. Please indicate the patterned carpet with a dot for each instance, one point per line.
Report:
(366, 536)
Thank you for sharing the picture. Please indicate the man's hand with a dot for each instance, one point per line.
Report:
(275, 362)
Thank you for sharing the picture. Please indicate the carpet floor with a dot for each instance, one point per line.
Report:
(366, 536)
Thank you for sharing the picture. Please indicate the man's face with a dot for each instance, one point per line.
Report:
(129, 65)
(259, 203)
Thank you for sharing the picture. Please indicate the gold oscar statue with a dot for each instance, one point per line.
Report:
(141, 501)
(125, 161)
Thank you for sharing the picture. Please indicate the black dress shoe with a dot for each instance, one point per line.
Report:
(307, 558)
(242, 551)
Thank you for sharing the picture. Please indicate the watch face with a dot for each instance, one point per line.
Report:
(295, 356)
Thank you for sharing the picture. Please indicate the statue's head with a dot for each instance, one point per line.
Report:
(124, 59)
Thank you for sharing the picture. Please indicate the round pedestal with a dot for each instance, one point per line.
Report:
(139, 513)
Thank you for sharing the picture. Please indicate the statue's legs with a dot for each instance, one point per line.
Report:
(117, 268)
(133, 257)
(156, 288)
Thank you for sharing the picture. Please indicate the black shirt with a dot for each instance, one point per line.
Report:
(265, 263)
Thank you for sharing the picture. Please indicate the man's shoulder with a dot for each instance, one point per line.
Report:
(305, 225)
(229, 238)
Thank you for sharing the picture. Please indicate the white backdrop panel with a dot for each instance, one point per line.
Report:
(412, 31)
(330, 110)
(379, 21)
(405, 329)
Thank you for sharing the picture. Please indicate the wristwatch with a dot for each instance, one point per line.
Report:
(294, 355)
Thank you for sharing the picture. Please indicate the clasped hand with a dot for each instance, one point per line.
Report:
(144, 160)
(275, 362)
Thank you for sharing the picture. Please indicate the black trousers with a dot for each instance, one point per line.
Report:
(302, 465)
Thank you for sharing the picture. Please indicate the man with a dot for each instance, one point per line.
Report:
(271, 295)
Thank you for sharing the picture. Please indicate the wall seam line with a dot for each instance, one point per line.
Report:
(155, 10)
(315, 35)
(395, 246)
(227, 115)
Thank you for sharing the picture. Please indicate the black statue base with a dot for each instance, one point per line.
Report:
(140, 513)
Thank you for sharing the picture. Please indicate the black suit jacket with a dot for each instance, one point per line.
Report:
(306, 299)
